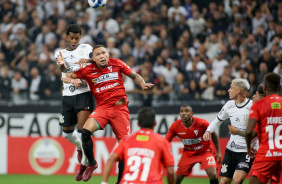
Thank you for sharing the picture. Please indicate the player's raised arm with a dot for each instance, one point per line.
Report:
(62, 64)
(108, 167)
(212, 127)
(140, 81)
(215, 140)
(71, 78)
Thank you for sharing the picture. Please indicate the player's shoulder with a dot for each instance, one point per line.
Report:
(57, 52)
(229, 104)
(177, 122)
(199, 120)
(84, 46)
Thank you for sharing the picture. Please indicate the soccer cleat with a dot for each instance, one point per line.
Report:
(79, 155)
(88, 172)
(80, 172)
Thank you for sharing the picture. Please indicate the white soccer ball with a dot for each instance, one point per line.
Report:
(97, 4)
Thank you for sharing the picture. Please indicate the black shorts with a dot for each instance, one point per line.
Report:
(71, 105)
(235, 161)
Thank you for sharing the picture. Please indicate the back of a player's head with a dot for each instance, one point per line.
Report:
(242, 84)
(272, 82)
(73, 28)
(146, 117)
(260, 90)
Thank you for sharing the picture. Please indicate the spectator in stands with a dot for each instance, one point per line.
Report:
(180, 88)
(5, 84)
(221, 89)
(219, 63)
(196, 24)
(161, 90)
(36, 85)
(52, 83)
(176, 10)
(194, 92)
(201, 66)
(44, 37)
(207, 84)
(20, 88)
(169, 72)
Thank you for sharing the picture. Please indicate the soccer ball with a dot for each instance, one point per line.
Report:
(97, 4)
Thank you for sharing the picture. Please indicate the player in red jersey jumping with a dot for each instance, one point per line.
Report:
(267, 114)
(104, 77)
(191, 130)
(145, 153)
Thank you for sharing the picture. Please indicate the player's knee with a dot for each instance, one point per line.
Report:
(68, 134)
(86, 135)
(213, 176)
(237, 180)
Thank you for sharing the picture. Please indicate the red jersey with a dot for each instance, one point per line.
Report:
(145, 153)
(106, 84)
(268, 113)
(191, 137)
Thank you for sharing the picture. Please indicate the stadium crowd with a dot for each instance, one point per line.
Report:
(190, 50)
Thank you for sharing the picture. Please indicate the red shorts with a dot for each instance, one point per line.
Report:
(267, 170)
(117, 116)
(187, 161)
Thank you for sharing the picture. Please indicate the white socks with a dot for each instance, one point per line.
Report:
(84, 158)
(73, 138)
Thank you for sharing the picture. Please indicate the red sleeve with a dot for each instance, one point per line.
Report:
(256, 128)
(124, 67)
(254, 112)
(80, 73)
(120, 150)
(171, 133)
(167, 154)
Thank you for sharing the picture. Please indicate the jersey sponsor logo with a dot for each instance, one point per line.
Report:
(105, 77)
(196, 132)
(275, 105)
(182, 133)
(107, 87)
(224, 168)
(274, 120)
(191, 141)
(72, 56)
(237, 119)
(141, 151)
(243, 165)
(273, 154)
(110, 68)
(236, 146)
(142, 137)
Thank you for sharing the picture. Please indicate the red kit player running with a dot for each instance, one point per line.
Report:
(191, 130)
(104, 77)
(267, 114)
(145, 153)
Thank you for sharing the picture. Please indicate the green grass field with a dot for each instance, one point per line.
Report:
(70, 179)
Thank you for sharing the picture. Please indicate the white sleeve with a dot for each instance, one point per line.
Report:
(223, 115)
(214, 125)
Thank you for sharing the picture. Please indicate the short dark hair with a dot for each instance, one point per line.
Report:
(188, 106)
(73, 28)
(146, 117)
(98, 46)
(260, 90)
(272, 82)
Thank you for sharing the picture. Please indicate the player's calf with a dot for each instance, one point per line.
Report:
(87, 145)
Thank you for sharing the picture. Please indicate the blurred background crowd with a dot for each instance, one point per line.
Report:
(190, 49)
